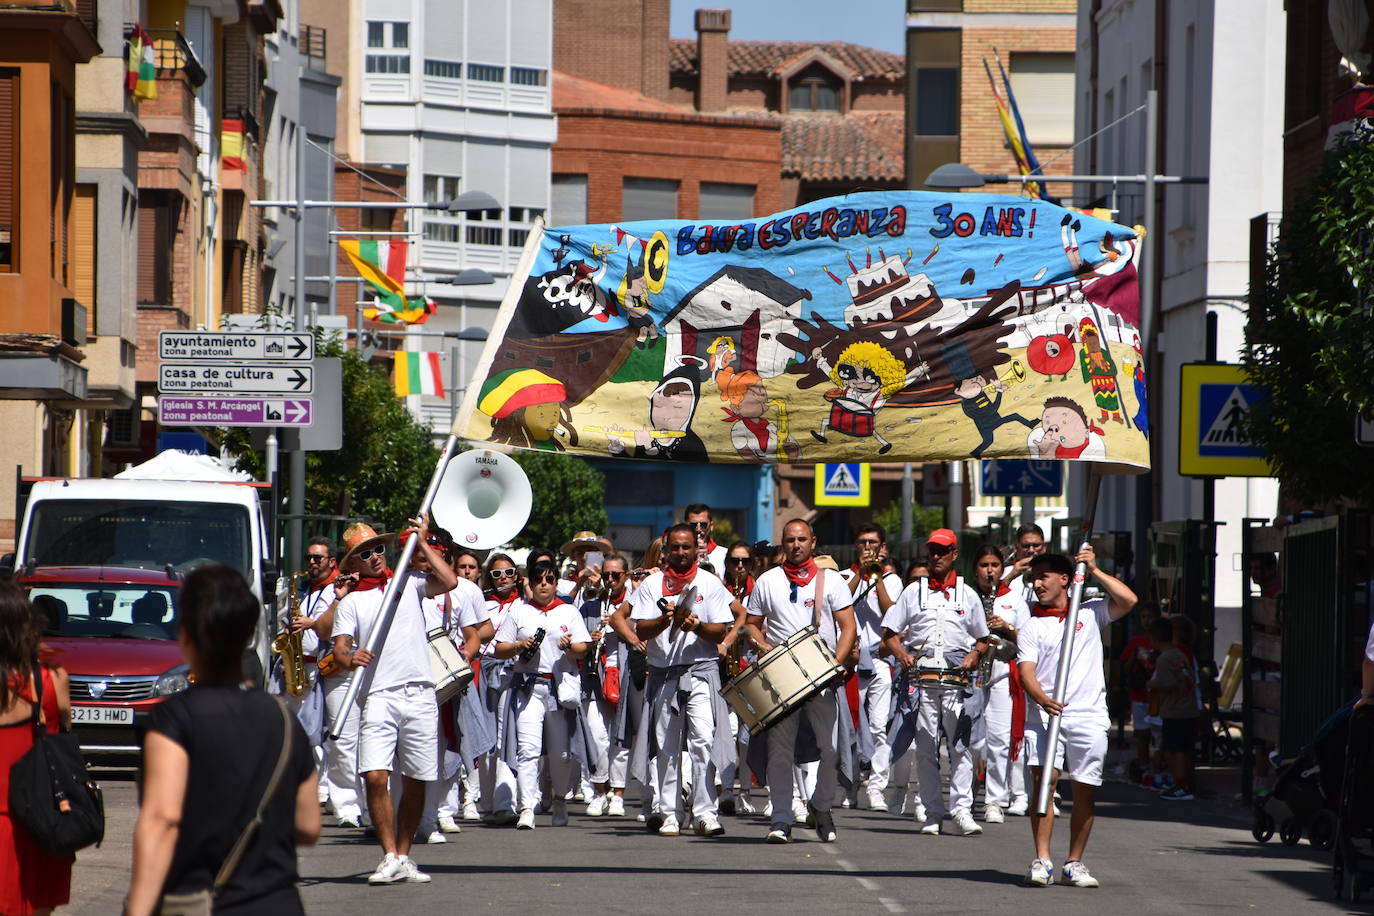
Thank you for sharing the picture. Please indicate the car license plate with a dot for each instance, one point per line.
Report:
(102, 715)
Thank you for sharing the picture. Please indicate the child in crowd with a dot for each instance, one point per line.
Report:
(1139, 660)
(1175, 685)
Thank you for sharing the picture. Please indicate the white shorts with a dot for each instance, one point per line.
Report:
(1141, 720)
(1082, 745)
(400, 726)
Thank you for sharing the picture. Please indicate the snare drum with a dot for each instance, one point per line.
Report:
(851, 417)
(451, 672)
(943, 678)
(782, 680)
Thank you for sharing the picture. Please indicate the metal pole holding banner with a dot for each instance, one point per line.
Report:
(1061, 674)
(377, 637)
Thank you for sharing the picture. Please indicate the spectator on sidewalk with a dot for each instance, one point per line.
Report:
(1139, 660)
(1175, 684)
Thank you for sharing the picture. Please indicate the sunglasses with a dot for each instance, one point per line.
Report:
(546, 578)
(938, 550)
(700, 526)
(368, 552)
(738, 561)
(316, 558)
(509, 573)
(613, 574)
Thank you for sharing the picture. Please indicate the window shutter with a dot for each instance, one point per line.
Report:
(148, 250)
(9, 185)
(1044, 88)
(83, 251)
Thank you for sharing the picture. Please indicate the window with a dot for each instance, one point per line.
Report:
(649, 198)
(815, 89)
(388, 63)
(376, 34)
(400, 34)
(393, 35)
(569, 200)
(439, 189)
(1044, 86)
(9, 168)
(937, 101)
(483, 235)
(529, 76)
(524, 214)
(516, 237)
(448, 69)
(156, 235)
(441, 232)
(487, 73)
(720, 201)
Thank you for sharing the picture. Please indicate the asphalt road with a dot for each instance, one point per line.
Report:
(1150, 855)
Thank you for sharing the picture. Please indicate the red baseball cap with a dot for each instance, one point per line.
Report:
(943, 537)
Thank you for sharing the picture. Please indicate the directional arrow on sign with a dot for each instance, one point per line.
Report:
(233, 378)
(298, 346)
(297, 411)
(298, 380)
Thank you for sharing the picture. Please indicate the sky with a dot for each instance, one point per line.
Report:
(878, 24)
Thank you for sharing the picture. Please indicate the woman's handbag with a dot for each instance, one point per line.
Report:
(202, 903)
(51, 793)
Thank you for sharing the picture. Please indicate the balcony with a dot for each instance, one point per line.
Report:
(169, 160)
(314, 47)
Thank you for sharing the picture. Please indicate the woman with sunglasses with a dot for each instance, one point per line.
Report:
(546, 636)
(739, 579)
(602, 690)
(502, 587)
(633, 662)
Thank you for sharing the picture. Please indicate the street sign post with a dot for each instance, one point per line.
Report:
(238, 346)
(1022, 477)
(234, 378)
(1215, 401)
(219, 411)
(845, 484)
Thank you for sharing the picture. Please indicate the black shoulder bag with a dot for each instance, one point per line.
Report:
(51, 793)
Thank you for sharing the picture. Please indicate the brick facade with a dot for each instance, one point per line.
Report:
(632, 55)
(349, 185)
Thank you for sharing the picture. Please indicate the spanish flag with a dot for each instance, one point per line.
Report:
(231, 145)
(417, 373)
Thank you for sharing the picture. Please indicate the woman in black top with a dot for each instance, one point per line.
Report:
(208, 755)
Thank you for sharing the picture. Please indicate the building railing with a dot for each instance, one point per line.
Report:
(314, 46)
(173, 52)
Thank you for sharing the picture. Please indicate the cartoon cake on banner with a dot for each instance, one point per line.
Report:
(906, 326)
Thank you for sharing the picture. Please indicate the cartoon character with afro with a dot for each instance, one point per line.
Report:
(867, 375)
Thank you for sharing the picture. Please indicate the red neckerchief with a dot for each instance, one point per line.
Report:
(800, 575)
(674, 583)
(617, 599)
(756, 425)
(1002, 589)
(548, 607)
(333, 574)
(935, 585)
(495, 595)
(1040, 610)
(367, 583)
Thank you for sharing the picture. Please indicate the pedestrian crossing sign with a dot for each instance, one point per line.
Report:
(1216, 401)
(844, 484)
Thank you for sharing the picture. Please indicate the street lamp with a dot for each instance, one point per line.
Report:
(469, 276)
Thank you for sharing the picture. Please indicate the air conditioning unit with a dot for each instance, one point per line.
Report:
(73, 322)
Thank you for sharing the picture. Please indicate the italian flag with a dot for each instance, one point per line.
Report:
(140, 77)
(383, 264)
(417, 373)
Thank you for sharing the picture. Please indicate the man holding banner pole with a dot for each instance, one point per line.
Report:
(1079, 707)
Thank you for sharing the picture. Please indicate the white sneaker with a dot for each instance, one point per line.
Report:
(1040, 874)
(389, 871)
(448, 825)
(1018, 807)
(919, 812)
(707, 825)
(800, 813)
(350, 821)
(965, 825)
(411, 872)
(615, 807)
(597, 806)
(1076, 874)
(992, 814)
(433, 837)
(470, 812)
(930, 828)
(560, 813)
(743, 805)
(669, 827)
(876, 802)
(526, 821)
(768, 808)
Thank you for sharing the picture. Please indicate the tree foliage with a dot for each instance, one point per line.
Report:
(1310, 332)
(923, 520)
(387, 457)
(569, 496)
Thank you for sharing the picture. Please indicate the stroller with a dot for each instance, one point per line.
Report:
(1353, 861)
(1307, 788)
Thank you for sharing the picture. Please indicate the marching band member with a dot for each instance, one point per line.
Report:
(601, 691)
(786, 600)
(316, 597)
(400, 723)
(1005, 702)
(633, 661)
(684, 702)
(503, 592)
(874, 592)
(739, 579)
(938, 622)
(1082, 707)
(469, 566)
(548, 636)
(698, 515)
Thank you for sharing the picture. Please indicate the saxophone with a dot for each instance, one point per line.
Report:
(734, 656)
(288, 644)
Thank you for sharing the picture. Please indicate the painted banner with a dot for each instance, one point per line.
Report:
(881, 326)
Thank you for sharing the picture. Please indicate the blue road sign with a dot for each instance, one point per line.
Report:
(845, 484)
(1022, 477)
(1222, 412)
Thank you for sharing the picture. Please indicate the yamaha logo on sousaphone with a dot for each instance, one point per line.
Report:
(484, 494)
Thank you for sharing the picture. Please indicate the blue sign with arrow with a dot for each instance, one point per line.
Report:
(1022, 477)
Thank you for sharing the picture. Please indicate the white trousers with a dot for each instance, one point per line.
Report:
(822, 711)
(939, 714)
(535, 733)
(341, 756)
(696, 716)
(876, 695)
(599, 737)
(498, 787)
(1006, 780)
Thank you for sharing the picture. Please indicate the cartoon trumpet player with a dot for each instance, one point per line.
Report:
(867, 375)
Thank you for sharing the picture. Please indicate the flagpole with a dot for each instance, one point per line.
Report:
(1061, 675)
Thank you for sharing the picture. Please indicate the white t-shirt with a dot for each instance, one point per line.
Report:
(404, 658)
(937, 624)
(497, 612)
(1012, 609)
(467, 608)
(867, 614)
(1039, 642)
(716, 557)
(786, 612)
(558, 621)
(313, 604)
(712, 606)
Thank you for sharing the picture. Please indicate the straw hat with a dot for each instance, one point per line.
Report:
(584, 541)
(825, 561)
(359, 536)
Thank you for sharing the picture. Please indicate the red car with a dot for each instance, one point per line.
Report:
(114, 629)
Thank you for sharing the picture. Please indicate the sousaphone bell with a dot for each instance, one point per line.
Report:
(483, 499)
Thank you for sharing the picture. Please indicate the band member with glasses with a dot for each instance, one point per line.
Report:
(546, 636)
(400, 722)
(1028, 544)
(739, 579)
(874, 591)
(698, 515)
(601, 690)
(937, 623)
(316, 597)
(684, 703)
(786, 600)
(633, 661)
(503, 591)
(1004, 706)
